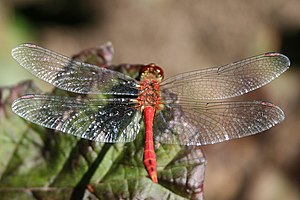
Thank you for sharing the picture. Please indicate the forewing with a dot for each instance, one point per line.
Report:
(103, 120)
(228, 81)
(196, 123)
(71, 75)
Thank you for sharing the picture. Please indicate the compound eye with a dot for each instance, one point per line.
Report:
(159, 71)
(152, 68)
(144, 69)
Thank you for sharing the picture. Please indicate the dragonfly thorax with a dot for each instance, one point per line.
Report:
(149, 94)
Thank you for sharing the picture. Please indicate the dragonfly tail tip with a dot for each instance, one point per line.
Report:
(154, 178)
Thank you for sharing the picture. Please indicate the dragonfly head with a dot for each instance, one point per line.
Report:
(151, 71)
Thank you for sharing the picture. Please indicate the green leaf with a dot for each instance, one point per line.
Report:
(39, 163)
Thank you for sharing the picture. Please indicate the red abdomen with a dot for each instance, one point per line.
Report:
(149, 154)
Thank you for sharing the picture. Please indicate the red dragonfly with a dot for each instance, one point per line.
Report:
(183, 109)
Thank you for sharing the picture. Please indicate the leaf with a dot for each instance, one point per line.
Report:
(39, 163)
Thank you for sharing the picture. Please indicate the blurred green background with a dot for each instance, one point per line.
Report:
(183, 36)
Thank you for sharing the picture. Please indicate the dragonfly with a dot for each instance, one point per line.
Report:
(186, 109)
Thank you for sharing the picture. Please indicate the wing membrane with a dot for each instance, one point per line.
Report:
(103, 120)
(72, 75)
(207, 123)
(228, 81)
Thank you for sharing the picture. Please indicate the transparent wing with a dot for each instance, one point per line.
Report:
(230, 80)
(196, 123)
(72, 75)
(103, 120)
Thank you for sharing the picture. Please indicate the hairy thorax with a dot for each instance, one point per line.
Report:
(150, 77)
